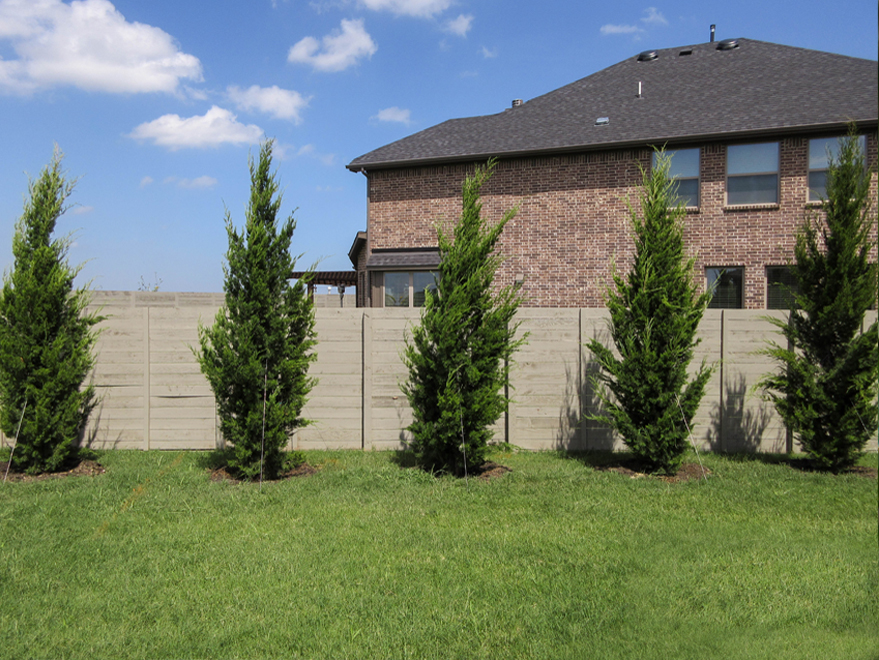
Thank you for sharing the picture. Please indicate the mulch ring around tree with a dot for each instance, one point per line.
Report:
(694, 471)
(86, 468)
(863, 471)
(304, 470)
(634, 470)
(489, 470)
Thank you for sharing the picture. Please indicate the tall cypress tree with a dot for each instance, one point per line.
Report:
(257, 353)
(654, 315)
(46, 336)
(459, 356)
(825, 388)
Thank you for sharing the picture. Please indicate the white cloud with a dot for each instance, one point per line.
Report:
(88, 44)
(336, 51)
(460, 26)
(217, 126)
(147, 180)
(620, 29)
(420, 8)
(394, 114)
(653, 17)
(82, 210)
(488, 54)
(199, 183)
(277, 102)
(309, 150)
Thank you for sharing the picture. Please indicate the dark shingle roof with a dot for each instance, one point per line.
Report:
(756, 88)
(396, 258)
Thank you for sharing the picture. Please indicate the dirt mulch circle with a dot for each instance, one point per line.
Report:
(862, 471)
(304, 470)
(687, 472)
(488, 471)
(693, 471)
(86, 468)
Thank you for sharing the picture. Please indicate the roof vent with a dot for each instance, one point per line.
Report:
(689, 51)
(727, 44)
(602, 121)
(517, 102)
(647, 56)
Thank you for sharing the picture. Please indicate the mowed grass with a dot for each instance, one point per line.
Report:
(369, 559)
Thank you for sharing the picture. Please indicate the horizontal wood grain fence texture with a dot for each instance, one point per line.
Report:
(153, 395)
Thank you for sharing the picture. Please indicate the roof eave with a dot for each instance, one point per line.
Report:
(775, 131)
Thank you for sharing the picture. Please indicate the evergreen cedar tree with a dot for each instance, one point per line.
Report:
(257, 353)
(459, 356)
(654, 311)
(825, 388)
(46, 335)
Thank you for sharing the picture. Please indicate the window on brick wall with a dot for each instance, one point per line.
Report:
(781, 287)
(727, 287)
(820, 152)
(684, 169)
(407, 289)
(752, 173)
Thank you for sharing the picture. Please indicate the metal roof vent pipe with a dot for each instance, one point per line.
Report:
(712, 32)
(518, 102)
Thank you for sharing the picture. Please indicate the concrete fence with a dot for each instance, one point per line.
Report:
(153, 395)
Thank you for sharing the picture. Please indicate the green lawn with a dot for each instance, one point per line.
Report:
(367, 559)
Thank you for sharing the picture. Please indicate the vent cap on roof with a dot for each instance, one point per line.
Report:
(727, 44)
(647, 56)
(517, 103)
(602, 121)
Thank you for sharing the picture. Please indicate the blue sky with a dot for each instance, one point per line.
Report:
(156, 105)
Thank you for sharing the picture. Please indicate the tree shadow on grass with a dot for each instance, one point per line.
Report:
(800, 463)
(627, 464)
(404, 458)
(213, 459)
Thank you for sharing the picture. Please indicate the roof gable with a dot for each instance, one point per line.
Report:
(687, 93)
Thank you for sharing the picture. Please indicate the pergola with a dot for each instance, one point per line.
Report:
(338, 278)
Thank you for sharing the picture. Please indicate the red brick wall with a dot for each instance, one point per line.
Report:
(573, 220)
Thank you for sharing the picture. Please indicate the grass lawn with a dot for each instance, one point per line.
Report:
(367, 559)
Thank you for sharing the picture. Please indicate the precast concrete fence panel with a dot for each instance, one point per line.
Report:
(154, 396)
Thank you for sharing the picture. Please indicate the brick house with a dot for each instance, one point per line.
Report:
(749, 123)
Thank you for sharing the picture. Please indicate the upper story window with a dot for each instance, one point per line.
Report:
(408, 289)
(752, 173)
(820, 152)
(684, 169)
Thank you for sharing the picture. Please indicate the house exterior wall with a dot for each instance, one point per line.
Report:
(573, 226)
